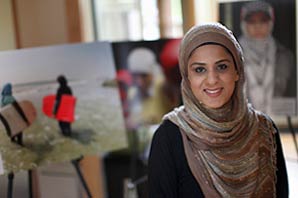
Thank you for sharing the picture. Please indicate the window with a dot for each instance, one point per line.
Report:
(122, 20)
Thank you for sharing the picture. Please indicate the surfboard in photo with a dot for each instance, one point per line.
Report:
(66, 109)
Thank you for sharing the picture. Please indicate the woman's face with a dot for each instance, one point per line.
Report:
(212, 75)
(258, 25)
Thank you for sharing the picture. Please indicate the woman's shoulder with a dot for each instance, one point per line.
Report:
(167, 127)
(281, 47)
(283, 52)
(168, 124)
(167, 146)
(265, 120)
(167, 132)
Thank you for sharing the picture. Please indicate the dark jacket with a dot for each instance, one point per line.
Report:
(64, 89)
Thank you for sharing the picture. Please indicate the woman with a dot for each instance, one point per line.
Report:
(63, 89)
(270, 66)
(216, 145)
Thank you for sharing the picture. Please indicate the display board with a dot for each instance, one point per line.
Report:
(96, 125)
(270, 62)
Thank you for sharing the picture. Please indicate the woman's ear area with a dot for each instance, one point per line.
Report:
(237, 76)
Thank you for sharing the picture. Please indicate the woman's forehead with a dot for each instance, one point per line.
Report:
(210, 49)
(256, 16)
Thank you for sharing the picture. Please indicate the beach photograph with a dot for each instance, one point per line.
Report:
(97, 125)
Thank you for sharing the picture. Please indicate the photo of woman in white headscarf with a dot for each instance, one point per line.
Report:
(269, 64)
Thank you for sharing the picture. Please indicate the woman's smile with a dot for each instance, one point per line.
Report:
(213, 92)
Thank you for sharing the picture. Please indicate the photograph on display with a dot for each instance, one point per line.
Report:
(266, 31)
(58, 103)
(149, 81)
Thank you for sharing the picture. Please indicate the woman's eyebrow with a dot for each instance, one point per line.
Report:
(222, 60)
(197, 63)
(202, 64)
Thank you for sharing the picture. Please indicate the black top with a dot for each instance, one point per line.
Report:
(170, 175)
(64, 89)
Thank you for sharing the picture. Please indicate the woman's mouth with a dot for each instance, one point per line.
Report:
(213, 92)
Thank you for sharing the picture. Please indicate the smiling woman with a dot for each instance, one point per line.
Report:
(212, 75)
(216, 144)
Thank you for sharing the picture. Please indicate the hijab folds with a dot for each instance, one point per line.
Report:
(230, 150)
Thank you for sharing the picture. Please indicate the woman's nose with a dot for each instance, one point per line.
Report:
(212, 77)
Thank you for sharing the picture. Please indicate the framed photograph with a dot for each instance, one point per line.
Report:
(58, 103)
(269, 56)
(149, 77)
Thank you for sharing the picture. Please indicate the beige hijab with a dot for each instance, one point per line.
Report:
(230, 150)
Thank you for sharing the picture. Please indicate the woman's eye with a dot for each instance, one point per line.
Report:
(222, 67)
(200, 69)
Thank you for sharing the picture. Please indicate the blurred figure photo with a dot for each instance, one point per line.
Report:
(270, 66)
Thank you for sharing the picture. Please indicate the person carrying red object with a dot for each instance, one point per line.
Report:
(62, 91)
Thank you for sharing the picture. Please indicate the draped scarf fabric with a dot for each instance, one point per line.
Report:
(230, 150)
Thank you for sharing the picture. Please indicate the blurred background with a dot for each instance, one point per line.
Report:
(146, 28)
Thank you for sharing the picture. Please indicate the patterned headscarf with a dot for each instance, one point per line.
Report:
(230, 150)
